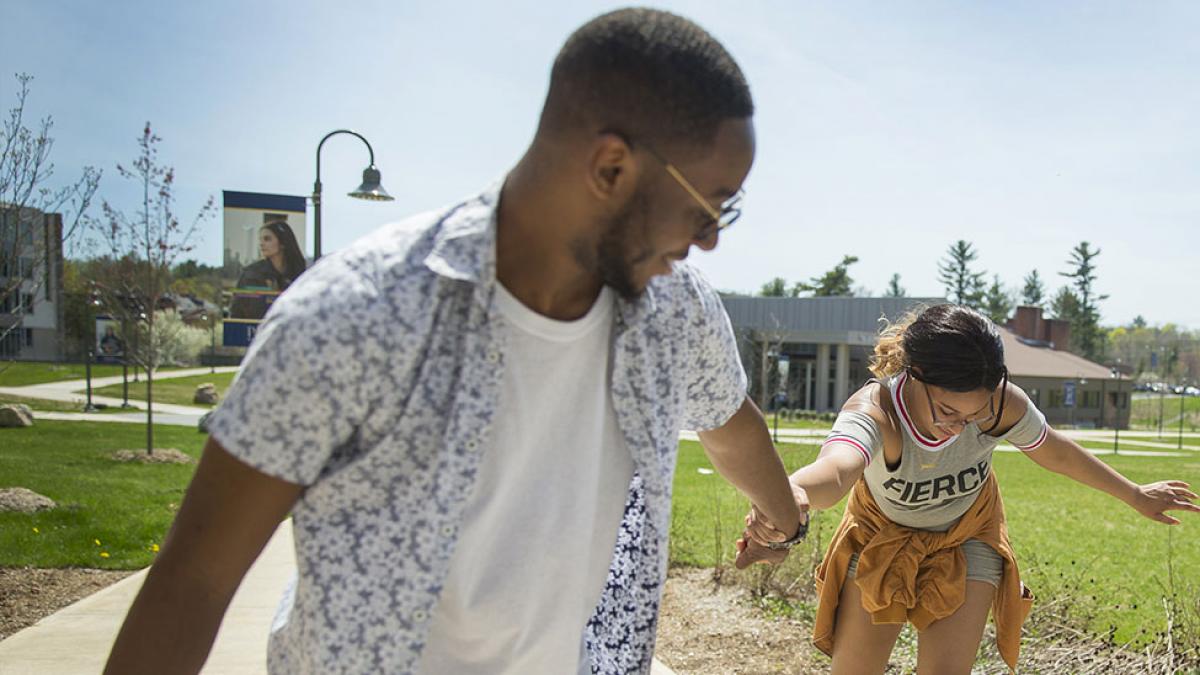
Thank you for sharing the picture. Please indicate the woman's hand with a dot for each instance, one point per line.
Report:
(1153, 500)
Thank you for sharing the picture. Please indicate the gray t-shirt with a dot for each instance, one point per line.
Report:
(936, 481)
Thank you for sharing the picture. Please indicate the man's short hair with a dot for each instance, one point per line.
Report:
(649, 74)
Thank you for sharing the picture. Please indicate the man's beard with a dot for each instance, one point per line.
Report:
(613, 259)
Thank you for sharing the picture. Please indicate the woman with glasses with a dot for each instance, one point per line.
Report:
(923, 538)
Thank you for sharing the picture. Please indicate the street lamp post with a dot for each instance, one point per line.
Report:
(212, 341)
(1182, 400)
(371, 189)
(1116, 374)
(93, 301)
(124, 359)
(1161, 394)
(124, 365)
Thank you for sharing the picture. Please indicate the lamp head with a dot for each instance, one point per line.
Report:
(371, 189)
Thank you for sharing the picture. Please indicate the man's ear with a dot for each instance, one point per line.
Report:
(612, 168)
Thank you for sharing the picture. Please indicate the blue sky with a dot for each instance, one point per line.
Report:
(886, 130)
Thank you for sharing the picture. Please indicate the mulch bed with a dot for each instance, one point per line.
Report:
(28, 594)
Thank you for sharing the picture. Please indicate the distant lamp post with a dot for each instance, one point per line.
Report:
(93, 301)
(371, 189)
(212, 341)
(124, 363)
(1116, 375)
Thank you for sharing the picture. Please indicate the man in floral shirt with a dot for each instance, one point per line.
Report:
(473, 415)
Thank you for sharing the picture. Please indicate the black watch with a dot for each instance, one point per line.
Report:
(801, 533)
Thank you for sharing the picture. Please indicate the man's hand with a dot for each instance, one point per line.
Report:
(742, 452)
(760, 532)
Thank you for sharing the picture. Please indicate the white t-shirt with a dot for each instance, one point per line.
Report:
(538, 534)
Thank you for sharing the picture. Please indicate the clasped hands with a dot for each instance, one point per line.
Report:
(760, 533)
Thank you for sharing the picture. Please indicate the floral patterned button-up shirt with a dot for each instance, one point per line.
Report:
(373, 382)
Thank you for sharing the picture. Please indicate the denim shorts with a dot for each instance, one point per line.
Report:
(983, 563)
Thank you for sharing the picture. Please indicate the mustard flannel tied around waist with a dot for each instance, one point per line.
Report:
(918, 576)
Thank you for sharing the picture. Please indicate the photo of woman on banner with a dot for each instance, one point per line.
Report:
(282, 261)
(109, 347)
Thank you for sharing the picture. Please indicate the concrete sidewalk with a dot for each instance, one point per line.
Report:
(76, 640)
(74, 391)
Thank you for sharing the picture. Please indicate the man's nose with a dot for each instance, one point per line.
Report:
(709, 242)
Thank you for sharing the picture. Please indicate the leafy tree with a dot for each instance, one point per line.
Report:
(894, 289)
(835, 282)
(1033, 294)
(143, 248)
(775, 288)
(998, 304)
(963, 285)
(26, 193)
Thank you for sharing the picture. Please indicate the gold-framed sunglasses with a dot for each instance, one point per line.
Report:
(729, 211)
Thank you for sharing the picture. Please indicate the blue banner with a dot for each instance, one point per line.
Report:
(238, 333)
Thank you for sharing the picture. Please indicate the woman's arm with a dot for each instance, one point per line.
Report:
(830, 476)
(1064, 456)
(858, 435)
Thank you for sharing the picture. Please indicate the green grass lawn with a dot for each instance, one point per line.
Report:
(22, 373)
(1068, 538)
(177, 390)
(1145, 413)
(42, 404)
(127, 507)
(797, 424)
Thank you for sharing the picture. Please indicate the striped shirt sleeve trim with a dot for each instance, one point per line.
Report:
(1038, 443)
(866, 454)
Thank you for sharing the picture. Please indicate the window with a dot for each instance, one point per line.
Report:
(1091, 399)
(10, 345)
(27, 302)
(28, 337)
(1056, 398)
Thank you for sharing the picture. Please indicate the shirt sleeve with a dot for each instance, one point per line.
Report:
(716, 385)
(1030, 432)
(856, 431)
(298, 394)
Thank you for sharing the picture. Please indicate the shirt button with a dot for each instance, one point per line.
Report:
(471, 445)
(493, 357)
(420, 616)
(447, 531)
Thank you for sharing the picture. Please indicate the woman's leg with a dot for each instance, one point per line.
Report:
(949, 646)
(859, 646)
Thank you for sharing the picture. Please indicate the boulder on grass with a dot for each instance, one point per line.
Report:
(24, 500)
(15, 415)
(206, 394)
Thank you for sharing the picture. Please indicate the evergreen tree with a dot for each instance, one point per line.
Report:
(1086, 334)
(963, 285)
(894, 289)
(998, 304)
(775, 288)
(835, 282)
(1034, 293)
